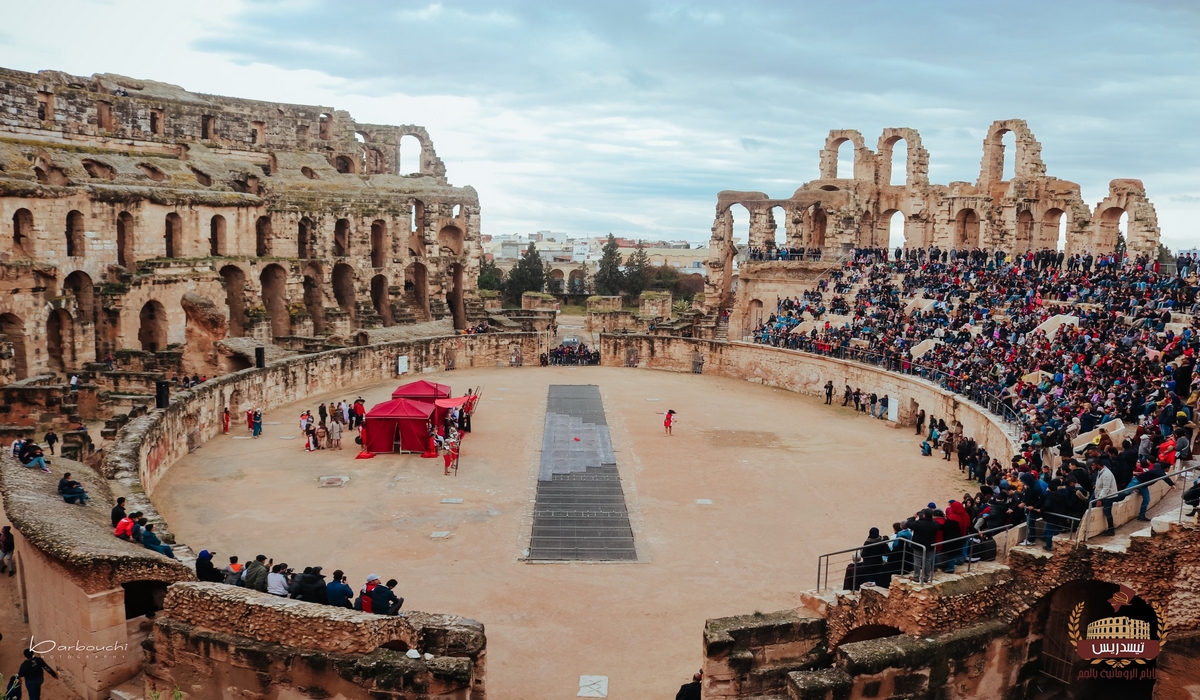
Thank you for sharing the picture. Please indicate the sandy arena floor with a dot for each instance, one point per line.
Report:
(788, 477)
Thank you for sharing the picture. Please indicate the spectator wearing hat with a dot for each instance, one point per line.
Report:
(205, 571)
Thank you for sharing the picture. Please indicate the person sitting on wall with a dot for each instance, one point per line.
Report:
(31, 456)
(384, 601)
(124, 528)
(150, 541)
(71, 490)
(232, 574)
(337, 593)
(205, 570)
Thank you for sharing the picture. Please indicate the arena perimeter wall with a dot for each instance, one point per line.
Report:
(806, 373)
(147, 446)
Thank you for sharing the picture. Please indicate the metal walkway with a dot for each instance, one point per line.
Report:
(579, 513)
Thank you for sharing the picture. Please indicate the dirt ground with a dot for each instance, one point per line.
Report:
(788, 477)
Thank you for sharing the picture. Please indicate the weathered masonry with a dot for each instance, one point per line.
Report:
(137, 216)
(1025, 212)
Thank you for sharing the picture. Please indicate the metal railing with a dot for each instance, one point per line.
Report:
(1119, 496)
(949, 553)
(905, 557)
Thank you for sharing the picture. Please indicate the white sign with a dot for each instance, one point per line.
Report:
(893, 413)
(402, 364)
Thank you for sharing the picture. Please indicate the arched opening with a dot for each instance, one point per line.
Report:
(379, 298)
(1024, 231)
(895, 228)
(740, 232)
(817, 224)
(454, 297)
(274, 294)
(868, 632)
(235, 299)
(80, 286)
(314, 298)
(216, 236)
(1008, 141)
(450, 240)
(173, 236)
(309, 173)
(262, 236)
(754, 315)
(125, 239)
(325, 130)
(1081, 603)
(899, 171)
(152, 327)
(456, 211)
(59, 337)
(375, 162)
(341, 238)
(379, 243)
(575, 282)
(76, 242)
(22, 236)
(779, 219)
(344, 165)
(12, 334)
(416, 288)
(416, 236)
(1113, 223)
(343, 288)
(966, 229)
(410, 155)
(304, 239)
(554, 281)
(1052, 221)
(845, 160)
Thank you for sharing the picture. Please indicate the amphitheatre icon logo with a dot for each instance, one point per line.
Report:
(1119, 640)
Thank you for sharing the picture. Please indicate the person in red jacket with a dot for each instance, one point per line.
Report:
(124, 528)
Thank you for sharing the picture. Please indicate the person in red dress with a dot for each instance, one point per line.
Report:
(668, 421)
(225, 420)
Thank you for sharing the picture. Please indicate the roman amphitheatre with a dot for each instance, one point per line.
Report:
(579, 550)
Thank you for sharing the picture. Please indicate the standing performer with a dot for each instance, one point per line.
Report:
(256, 422)
(668, 421)
(250, 420)
(225, 421)
(451, 455)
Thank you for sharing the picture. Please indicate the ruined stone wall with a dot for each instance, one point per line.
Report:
(146, 447)
(119, 197)
(806, 374)
(836, 214)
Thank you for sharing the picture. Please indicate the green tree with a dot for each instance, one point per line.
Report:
(637, 271)
(608, 279)
(489, 275)
(527, 276)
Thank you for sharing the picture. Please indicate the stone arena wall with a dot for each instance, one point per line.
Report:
(806, 374)
(147, 446)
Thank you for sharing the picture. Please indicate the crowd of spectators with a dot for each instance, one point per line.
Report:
(571, 354)
(757, 254)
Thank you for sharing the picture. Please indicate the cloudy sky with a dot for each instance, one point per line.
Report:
(629, 117)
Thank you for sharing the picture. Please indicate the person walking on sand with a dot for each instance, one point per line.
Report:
(256, 421)
(250, 420)
(668, 421)
(225, 421)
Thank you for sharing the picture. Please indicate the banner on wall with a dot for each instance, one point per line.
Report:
(402, 364)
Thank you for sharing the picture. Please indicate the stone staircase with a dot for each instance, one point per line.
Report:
(721, 332)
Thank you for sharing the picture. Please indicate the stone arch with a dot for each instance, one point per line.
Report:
(126, 241)
(966, 229)
(454, 297)
(416, 287)
(575, 281)
(411, 155)
(173, 236)
(76, 241)
(262, 236)
(345, 165)
(274, 295)
(60, 345)
(304, 238)
(754, 314)
(1024, 240)
(325, 128)
(152, 327)
(555, 281)
(234, 280)
(12, 333)
(343, 288)
(829, 154)
(780, 233)
(450, 240)
(817, 226)
(379, 243)
(735, 223)
(22, 233)
(314, 296)
(1054, 229)
(341, 238)
(887, 161)
(1027, 159)
(80, 286)
(380, 299)
(1108, 227)
(895, 232)
(218, 245)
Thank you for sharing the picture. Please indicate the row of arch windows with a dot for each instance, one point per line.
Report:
(450, 238)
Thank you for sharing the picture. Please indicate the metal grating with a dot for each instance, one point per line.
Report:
(579, 512)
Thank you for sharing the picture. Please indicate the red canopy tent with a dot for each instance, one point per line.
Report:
(422, 390)
(443, 406)
(399, 425)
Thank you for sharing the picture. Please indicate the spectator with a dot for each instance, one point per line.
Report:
(72, 491)
(150, 541)
(384, 601)
(277, 581)
(205, 571)
(33, 670)
(51, 439)
(337, 593)
(925, 533)
(256, 573)
(691, 691)
(1104, 493)
(233, 572)
(365, 597)
(124, 527)
(874, 552)
(312, 586)
(118, 511)
(8, 545)
(31, 456)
